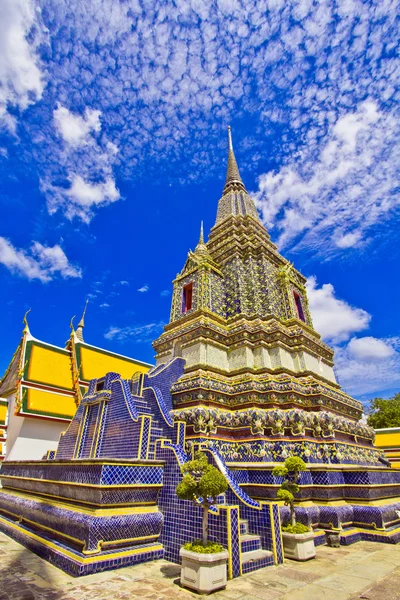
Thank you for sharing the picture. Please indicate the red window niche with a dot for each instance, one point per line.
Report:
(187, 297)
(299, 306)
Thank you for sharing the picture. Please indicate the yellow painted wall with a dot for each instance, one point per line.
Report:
(389, 441)
(96, 364)
(50, 366)
(52, 404)
(3, 412)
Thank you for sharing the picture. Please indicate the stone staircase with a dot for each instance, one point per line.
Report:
(252, 555)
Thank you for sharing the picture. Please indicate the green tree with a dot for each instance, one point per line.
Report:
(385, 413)
(290, 471)
(201, 483)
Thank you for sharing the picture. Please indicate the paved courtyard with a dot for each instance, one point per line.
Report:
(367, 571)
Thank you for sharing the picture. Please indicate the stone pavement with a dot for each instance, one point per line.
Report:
(365, 571)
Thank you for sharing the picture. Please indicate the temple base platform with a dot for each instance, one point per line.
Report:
(72, 561)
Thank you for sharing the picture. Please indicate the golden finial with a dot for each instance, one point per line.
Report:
(81, 324)
(72, 324)
(233, 179)
(201, 248)
(201, 240)
(25, 321)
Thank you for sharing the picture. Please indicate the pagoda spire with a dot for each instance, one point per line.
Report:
(201, 239)
(81, 324)
(233, 180)
(201, 248)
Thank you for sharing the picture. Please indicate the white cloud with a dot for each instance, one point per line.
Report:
(136, 333)
(73, 128)
(364, 369)
(334, 318)
(21, 80)
(144, 288)
(165, 293)
(41, 262)
(339, 187)
(370, 348)
(105, 305)
(81, 197)
(165, 79)
(364, 365)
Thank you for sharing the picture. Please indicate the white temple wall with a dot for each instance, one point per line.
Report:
(261, 358)
(318, 366)
(286, 359)
(28, 438)
(217, 357)
(241, 357)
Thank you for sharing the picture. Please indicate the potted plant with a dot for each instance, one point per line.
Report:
(298, 540)
(203, 562)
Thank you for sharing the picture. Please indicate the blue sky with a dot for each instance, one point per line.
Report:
(113, 148)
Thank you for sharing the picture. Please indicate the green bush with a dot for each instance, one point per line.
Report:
(297, 528)
(290, 471)
(201, 484)
(197, 546)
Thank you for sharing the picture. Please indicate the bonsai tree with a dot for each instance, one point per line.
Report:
(290, 471)
(201, 484)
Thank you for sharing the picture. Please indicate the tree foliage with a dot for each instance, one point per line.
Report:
(201, 484)
(290, 471)
(385, 413)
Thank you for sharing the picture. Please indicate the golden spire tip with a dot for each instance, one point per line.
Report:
(25, 321)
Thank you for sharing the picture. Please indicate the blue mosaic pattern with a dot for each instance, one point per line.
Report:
(128, 428)
(126, 475)
(73, 566)
(146, 429)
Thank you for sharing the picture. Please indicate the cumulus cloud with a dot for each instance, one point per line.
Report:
(40, 262)
(21, 78)
(368, 367)
(144, 288)
(135, 333)
(340, 193)
(81, 197)
(333, 317)
(322, 78)
(364, 365)
(370, 348)
(74, 129)
(165, 293)
(83, 179)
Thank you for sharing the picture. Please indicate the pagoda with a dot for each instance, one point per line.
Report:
(257, 374)
(242, 375)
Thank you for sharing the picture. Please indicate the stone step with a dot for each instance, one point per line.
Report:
(250, 542)
(256, 559)
(244, 526)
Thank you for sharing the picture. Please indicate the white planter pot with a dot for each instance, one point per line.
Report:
(204, 573)
(298, 546)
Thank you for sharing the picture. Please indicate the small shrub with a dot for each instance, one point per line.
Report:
(290, 471)
(197, 546)
(297, 528)
(201, 484)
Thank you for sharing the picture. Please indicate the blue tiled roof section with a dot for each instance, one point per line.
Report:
(162, 405)
(129, 399)
(233, 484)
(179, 452)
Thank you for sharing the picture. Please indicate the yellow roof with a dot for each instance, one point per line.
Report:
(49, 380)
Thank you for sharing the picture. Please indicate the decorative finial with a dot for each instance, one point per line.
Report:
(201, 248)
(230, 145)
(72, 324)
(81, 324)
(25, 321)
(201, 240)
(233, 180)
